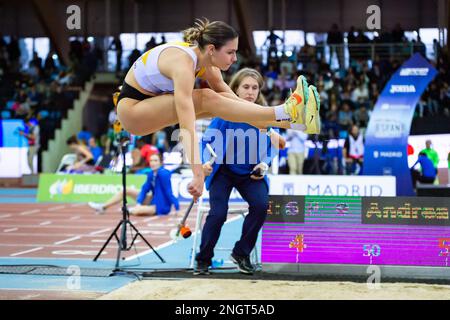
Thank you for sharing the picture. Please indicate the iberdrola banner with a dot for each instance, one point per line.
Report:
(390, 123)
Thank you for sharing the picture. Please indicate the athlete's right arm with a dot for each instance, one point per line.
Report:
(183, 78)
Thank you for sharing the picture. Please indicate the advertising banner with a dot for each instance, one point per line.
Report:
(99, 187)
(390, 122)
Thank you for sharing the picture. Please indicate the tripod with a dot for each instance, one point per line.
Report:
(122, 242)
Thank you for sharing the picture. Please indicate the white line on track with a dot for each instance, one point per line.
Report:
(98, 240)
(161, 224)
(154, 232)
(68, 240)
(150, 219)
(26, 213)
(99, 231)
(56, 208)
(75, 218)
(11, 230)
(77, 205)
(5, 216)
(27, 251)
(45, 223)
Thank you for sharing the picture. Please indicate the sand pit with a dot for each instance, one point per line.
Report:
(226, 289)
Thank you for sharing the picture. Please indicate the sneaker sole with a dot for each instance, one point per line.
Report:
(239, 268)
(304, 95)
(313, 127)
(201, 273)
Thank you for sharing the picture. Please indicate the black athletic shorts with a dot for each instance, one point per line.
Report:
(132, 93)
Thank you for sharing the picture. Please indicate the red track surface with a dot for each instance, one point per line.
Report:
(74, 231)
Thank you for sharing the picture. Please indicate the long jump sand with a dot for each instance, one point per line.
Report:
(205, 289)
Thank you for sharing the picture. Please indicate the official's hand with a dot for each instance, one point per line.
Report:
(207, 169)
(195, 187)
(263, 170)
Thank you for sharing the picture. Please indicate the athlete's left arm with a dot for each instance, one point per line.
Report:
(215, 80)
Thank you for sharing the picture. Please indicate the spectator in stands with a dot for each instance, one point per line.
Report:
(345, 117)
(150, 44)
(147, 150)
(354, 151)
(158, 203)
(95, 149)
(49, 65)
(31, 133)
(36, 61)
(84, 135)
(420, 47)
(116, 45)
(336, 40)
(331, 125)
(306, 54)
(34, 97)
(14, 53)
(398, 34)
(351, 40)
(445, 98)
(134, 55)
(296, 150)
(272, 39)
(85, 158)
(360, 95)
(428, 171)
(433, 99)
(139, 165)
(159, 140)
(361, 116)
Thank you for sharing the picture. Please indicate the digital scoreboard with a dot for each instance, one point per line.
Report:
(357, 231)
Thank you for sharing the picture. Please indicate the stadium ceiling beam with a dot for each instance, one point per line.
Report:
(245, 34)
(51, 22)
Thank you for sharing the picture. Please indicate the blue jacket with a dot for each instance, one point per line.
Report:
(427, 166)
(163, 197)
(245, 157)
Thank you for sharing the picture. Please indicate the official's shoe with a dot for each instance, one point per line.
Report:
(312, 116)
(243, 263)
(296, 103)
(201, 268)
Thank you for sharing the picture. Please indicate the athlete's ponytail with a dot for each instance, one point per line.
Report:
(205, 32)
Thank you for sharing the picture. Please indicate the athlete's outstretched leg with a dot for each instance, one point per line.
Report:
(149, 115)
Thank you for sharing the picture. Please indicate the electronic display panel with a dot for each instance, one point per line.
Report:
(395, 231)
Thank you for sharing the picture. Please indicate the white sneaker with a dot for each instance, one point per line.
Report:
(98, 207)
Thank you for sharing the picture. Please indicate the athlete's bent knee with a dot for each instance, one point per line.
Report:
(209, 97)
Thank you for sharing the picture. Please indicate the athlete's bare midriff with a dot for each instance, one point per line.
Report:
(131, 80)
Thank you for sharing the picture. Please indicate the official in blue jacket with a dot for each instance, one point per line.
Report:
(159, 202)
(240, 149)
(428, 171)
